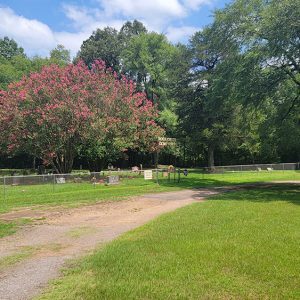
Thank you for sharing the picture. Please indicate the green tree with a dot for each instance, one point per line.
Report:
(108, 43)
(60, 55)
(267, 36)
(267, 73)
(9, 48)
(207, 112)
(147, 60)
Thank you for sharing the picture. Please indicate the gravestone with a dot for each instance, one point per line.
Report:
(113, 179)
(60, 180)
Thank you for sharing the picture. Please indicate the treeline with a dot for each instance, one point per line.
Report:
(230, 95)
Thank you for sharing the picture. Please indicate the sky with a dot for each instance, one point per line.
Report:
(40, 25)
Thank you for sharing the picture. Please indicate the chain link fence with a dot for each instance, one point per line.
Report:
(25, 190)
(255, 167)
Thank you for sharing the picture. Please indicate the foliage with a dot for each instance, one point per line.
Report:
(231, 95)
(55, 113)
(108, 43)
(242, 87)
(9, 48)
(206, 109)
(16, 66)
(60, 55)
(146, 60)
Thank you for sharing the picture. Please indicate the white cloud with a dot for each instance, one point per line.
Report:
(154, 9)
(157, 15)
(30, 34)
(196, 4)
(36, 37)
(80, 16)
(177, 34)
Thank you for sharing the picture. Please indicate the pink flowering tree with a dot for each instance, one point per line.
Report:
(59, 112)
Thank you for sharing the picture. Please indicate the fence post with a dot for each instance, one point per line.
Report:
(94, 179)
(4, 190)
(157, 176)
(178, 180)
(53, 182)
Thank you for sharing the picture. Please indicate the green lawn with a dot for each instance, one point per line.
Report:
(74, 193)
(198, 179)
(239, 245)
(77, 193)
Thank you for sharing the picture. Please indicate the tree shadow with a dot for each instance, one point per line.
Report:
(262, 192)
(242, 191)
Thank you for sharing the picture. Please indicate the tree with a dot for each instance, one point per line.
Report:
(56, 113)
(130, 29)
(207, 113)
(60, 55)
(267, 36)
(146, 60)
(266, 75)
(102, 44)
(9, 48)
(108, 43)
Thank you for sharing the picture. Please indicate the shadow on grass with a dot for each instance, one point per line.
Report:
(190, 183)
(201, 180)
(270, 192)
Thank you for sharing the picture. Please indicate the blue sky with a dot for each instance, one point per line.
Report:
(39, 25)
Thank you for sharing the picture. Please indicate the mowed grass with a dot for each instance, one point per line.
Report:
(199, 179)
(73, 193)
(12, 197)
(239, 245)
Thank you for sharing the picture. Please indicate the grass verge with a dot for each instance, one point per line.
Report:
(71, 194)
(240, 245)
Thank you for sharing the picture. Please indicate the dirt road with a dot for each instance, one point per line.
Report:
(45, 247)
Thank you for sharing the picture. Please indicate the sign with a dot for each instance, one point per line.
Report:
(148, 175)
(113, 179)
(164, 141)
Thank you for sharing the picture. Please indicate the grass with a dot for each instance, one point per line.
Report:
(198, 179)
(74, 193)
(15, 258)
(239, 245)
(79, 193)
(27, 252)
(8, 228)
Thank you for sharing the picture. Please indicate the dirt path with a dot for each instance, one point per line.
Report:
(62, 234)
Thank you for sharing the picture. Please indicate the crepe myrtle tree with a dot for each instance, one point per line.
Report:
(57, 112)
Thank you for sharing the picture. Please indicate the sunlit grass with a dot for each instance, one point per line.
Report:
(14, 196)
(241, 245)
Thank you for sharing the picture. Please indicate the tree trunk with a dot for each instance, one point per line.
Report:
(156, 159)
(33, 163)
(210, 158)
(63, 161)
